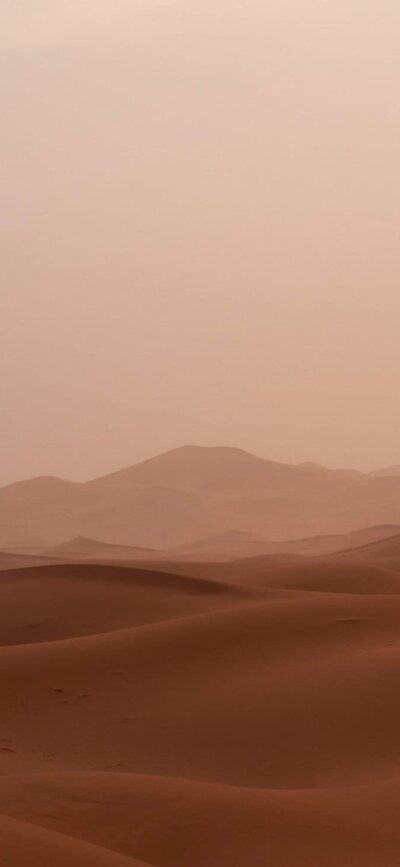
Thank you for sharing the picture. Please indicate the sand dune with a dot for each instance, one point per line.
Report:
(238, 696)
(26, 844)
(379, 551)
(336, 574)
(165, 819)
(83, 548)
(174, 709)
(52, 602)
(233, 545)
(12, 560)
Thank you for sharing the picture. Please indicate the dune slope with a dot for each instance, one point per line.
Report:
(193, 714)
(173, 823)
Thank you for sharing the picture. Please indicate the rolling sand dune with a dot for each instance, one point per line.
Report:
(232, 545)
(61, 601)
(176, 708)
(198, 723)
(32, 846)
(290, 692)
(165, 819)
(226, 546)
(336, 574)
(380, 551)
(10, 560)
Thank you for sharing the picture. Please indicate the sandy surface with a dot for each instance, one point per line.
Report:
(240, 714)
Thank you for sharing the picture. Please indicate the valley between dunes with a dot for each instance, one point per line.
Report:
(197, 707)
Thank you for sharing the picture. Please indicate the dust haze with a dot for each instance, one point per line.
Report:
(199, 232)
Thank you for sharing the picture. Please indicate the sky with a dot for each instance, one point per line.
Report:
(199, 231)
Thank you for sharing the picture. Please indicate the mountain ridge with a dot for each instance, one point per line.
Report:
(195, 492)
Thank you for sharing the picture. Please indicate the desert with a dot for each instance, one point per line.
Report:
(199, 433)
(163, 710)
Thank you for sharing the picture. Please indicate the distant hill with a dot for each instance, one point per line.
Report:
(91, 549)
(195, 467)
(387, 471)
(40, 489)
(220, 468)
(230, 500)
(233, 545)
(382, 550)
(228, 545)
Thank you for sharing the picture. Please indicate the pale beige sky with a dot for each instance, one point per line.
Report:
(199, 231)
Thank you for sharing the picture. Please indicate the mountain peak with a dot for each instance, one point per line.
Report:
(201, 467)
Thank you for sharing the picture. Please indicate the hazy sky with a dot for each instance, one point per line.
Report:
(199, 231)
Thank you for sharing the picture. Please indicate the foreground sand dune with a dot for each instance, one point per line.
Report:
(26, 844)
(183, 715)
(61, 601)
(290, 692)
(173, 823)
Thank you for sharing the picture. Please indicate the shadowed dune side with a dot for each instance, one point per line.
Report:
(292, 572)
(328, 577)
(174, 823)
(10, 561)
(31, 846)
(49, 603)
(385, 551)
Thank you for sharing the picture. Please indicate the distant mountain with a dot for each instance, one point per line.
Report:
(224, 469)
(387, 471)
(196, 467)
(238, 501)
(40, 489)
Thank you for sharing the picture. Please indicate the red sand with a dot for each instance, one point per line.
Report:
(149, 717)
